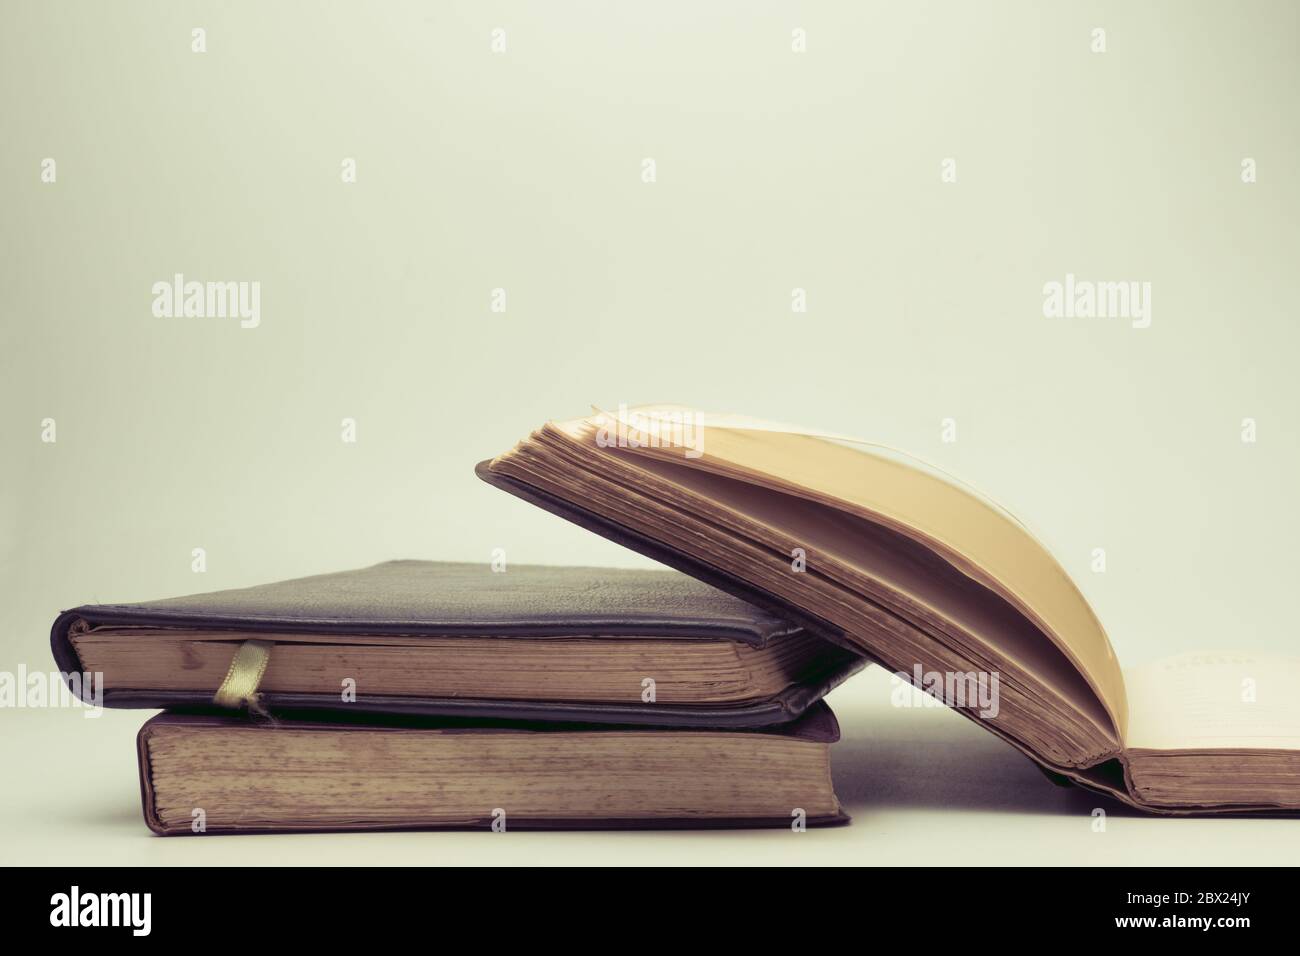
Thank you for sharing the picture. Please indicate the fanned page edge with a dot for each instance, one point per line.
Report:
(1110, 776)
(1108, 685)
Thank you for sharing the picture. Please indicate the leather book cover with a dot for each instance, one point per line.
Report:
(449, 600)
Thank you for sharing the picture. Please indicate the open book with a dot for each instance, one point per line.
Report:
(876, 552)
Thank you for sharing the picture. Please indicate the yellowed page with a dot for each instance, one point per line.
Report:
(1214, 701)
(971, 532)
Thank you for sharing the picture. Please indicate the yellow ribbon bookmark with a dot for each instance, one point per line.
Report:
(245, 674)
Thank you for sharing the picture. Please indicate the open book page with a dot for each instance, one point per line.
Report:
(931, 587)
(970, 532)
(1214, 701)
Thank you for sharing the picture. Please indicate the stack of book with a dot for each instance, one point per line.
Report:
(421, 694)
(417, 694)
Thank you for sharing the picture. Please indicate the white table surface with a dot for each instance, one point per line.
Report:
(923, 786)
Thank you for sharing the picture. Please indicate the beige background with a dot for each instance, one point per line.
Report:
(522, 170)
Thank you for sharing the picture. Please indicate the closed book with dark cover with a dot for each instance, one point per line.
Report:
(590, 645)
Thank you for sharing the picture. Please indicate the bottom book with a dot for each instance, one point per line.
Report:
(204, 773)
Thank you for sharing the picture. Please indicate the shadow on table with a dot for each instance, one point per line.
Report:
(949, 765)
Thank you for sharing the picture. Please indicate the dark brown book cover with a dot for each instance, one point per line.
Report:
(450, 600)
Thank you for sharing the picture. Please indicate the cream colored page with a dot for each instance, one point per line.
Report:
(974, 534)
(854, 542)
(1214, 701)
